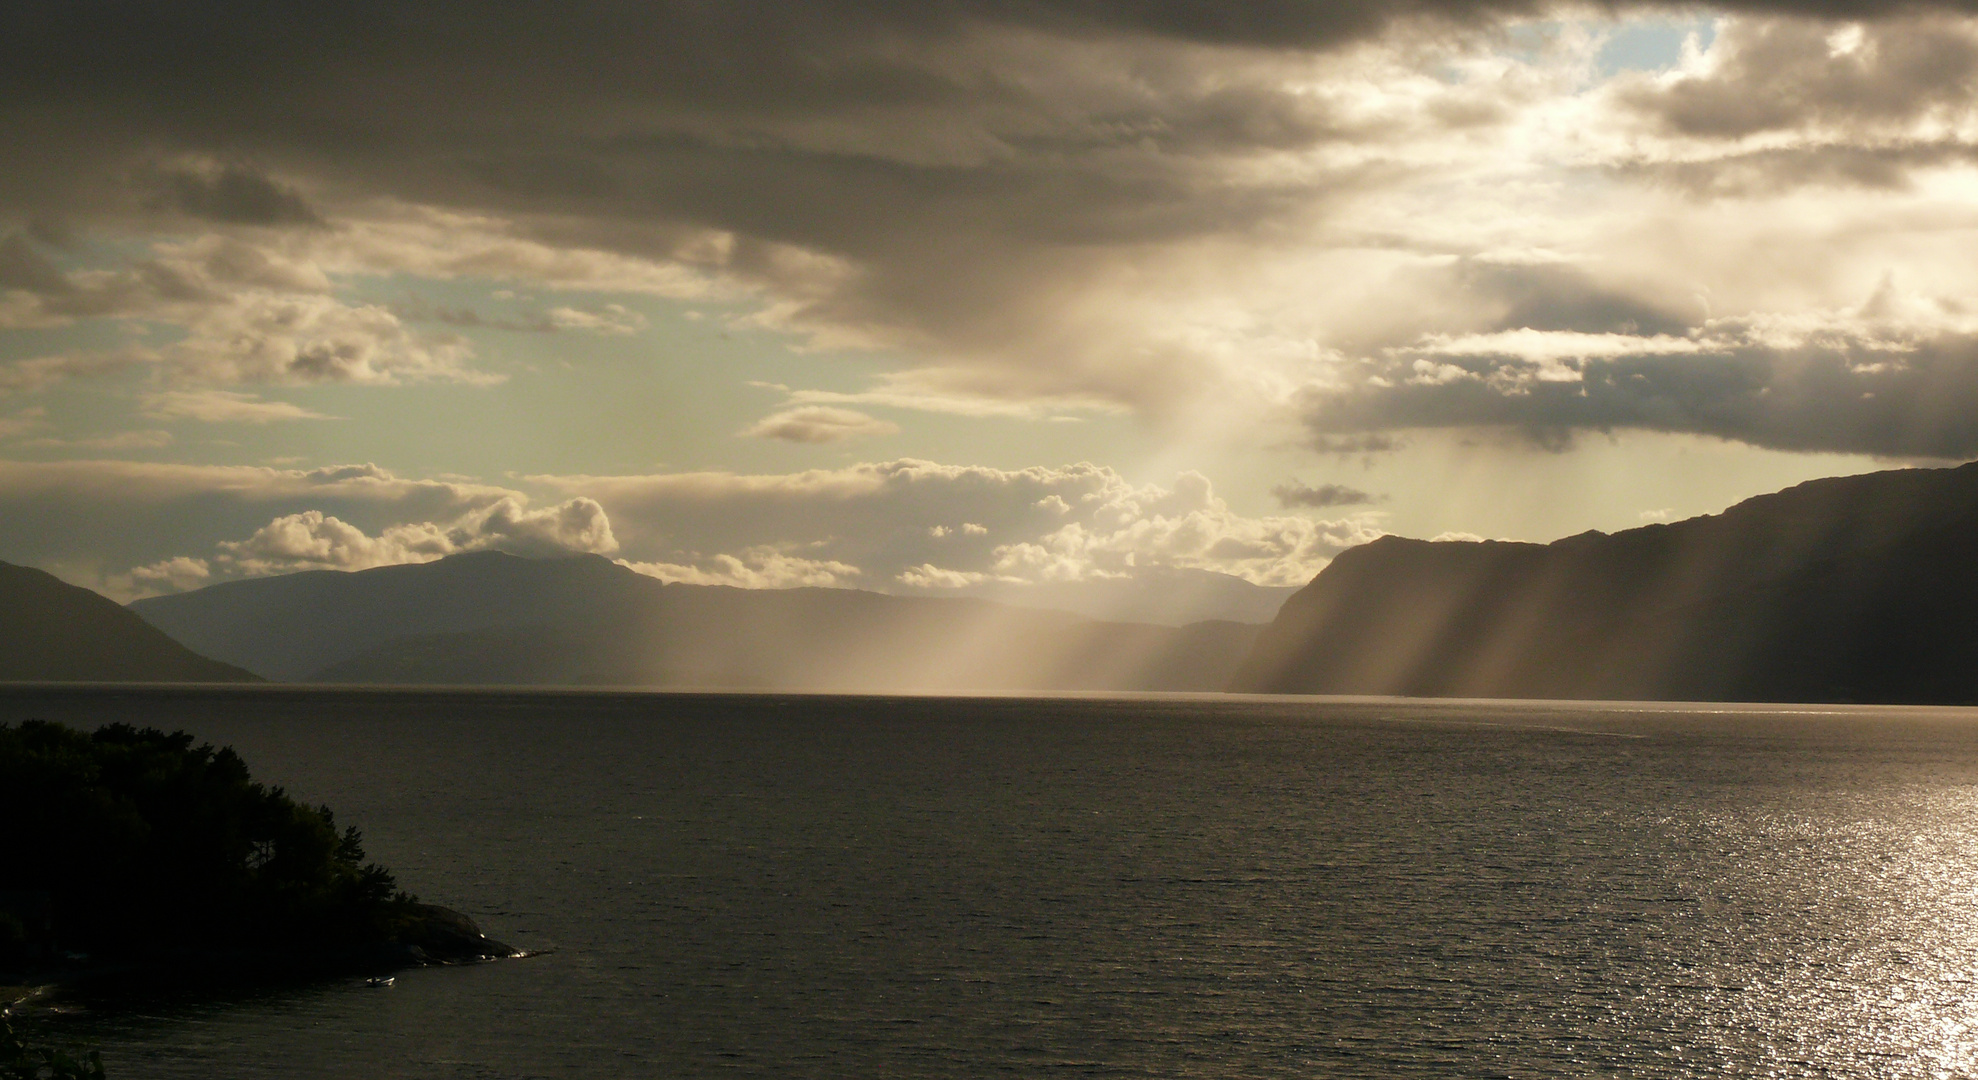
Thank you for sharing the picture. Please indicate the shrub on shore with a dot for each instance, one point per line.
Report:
(21, 1061)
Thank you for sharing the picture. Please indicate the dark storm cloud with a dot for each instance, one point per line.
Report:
(231, 194)
(1479, 295)
(1297, 493)
(958, 180)
(28, 270)
(57, 296)
(1792, 74)
(1837, 391)
(1555, 296)
(927, 176)
(677, 111)
(1365, 443)
(1887, 165)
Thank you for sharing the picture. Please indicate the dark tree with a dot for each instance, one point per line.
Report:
(136, 842)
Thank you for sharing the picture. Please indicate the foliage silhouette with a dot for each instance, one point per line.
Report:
(143, 844)
(20, 1061)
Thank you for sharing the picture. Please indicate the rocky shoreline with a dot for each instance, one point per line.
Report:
(432, 936)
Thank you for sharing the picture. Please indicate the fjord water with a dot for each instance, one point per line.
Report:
(872, 887)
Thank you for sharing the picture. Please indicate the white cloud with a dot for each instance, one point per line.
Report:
(122, 440)
(896, 522)
(177, 574)
(250, 314)
(818, 424)
(756, 568)
(578, 524)
(222, 406)
(609, 319)
(302, 338)
(312, 540)
(930, 576)
(94, 519)
(938, 391)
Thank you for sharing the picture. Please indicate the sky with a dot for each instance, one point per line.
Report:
(926, 298)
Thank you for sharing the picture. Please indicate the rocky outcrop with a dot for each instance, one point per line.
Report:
(440, 935)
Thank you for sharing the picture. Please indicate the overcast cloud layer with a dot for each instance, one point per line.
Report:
(1352, 221)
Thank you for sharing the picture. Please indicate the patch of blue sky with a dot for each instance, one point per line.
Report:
(1650, 44)
(1624, 45)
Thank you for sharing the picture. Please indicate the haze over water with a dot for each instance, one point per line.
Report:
(804, 886)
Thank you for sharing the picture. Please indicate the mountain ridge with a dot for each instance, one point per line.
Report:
(57, 632)
(493, 618)
(1843, 589)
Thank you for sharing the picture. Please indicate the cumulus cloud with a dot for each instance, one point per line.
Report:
(925, 525)
(313, 540)
(249, 316)
(185, 525)
(177, 574)
(310, 339)
(101, 517)
(819, 424)
(764, 567)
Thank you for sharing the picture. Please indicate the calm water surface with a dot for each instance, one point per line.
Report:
(861, 887)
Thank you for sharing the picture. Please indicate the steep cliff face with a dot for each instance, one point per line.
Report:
(1859, 588)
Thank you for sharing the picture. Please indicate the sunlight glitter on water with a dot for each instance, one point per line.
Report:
(926, 888)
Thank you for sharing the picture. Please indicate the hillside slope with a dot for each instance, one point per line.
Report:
(1861, 588)
(51, 631)
(489, 618)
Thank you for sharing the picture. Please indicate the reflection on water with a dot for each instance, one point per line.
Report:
(767, 886)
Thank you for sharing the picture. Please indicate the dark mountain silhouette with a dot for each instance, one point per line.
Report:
(51, 631)
(491, 618)
(1854, 589)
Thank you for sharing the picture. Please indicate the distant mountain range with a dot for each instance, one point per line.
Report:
(56, 632)
(1165, 596)
(491, 618)
(1854, 589)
